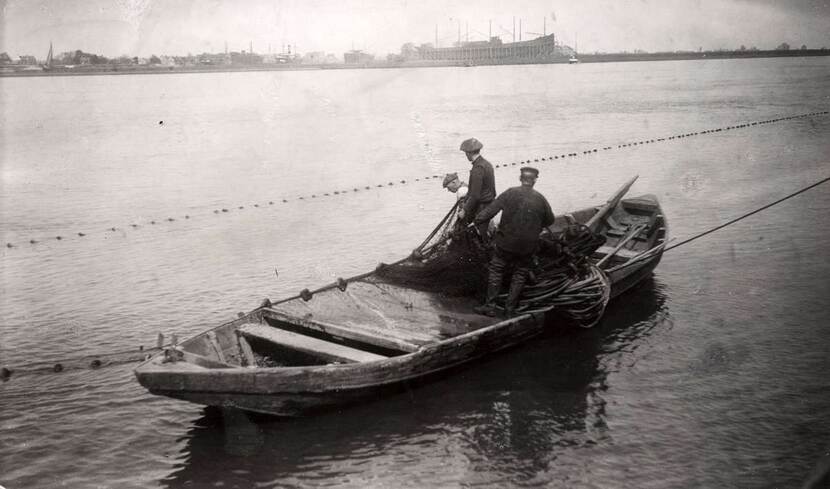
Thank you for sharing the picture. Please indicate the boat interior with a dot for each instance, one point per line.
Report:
(369, 320)
(633, 228)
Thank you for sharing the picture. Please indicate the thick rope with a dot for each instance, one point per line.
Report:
(739, 218)
(647, 256)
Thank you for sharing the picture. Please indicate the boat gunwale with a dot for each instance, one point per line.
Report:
(343, 369)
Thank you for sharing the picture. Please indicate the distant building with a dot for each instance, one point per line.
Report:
(279, 58)
(314, 58)
(543, 48)
(357, 56)
(122, 60)
(220, 59)
(409, 52)
(167, 60)
(27, 60)
(242, 58)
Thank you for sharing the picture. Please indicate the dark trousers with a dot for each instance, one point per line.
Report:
(484, 227)
(502, 262)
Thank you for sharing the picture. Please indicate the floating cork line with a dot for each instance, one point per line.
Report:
(91, 361)
(503, 165)
(719, 129)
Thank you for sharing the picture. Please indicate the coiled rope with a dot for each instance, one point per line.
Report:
(385, 185)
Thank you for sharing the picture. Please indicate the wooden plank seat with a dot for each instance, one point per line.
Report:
(389, 339)
(622, 226)
(622, 253)
(326, 350)
(614, 227)
(643, 235)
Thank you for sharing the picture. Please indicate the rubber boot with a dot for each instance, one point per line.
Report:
(517, 283)
(489, 307)
(494, 278)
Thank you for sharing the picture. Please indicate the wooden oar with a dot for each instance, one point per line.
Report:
(634, 232)
(596, 219)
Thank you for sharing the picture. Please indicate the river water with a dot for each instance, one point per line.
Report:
(712, 374)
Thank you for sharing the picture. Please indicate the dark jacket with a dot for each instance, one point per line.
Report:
(482, 187)
(525, 212)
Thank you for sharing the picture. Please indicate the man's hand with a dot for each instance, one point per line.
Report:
(461, 214)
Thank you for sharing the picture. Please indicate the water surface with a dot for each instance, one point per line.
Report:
(712, 374)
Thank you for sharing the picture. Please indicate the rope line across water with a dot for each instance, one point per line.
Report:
(573, 154)
(129, 356)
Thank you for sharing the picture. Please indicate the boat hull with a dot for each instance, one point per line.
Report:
(209, 373)
(626, 278)
(302, 391)
(295, 391)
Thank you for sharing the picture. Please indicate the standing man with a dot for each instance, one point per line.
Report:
(482, 185)
(525, 212)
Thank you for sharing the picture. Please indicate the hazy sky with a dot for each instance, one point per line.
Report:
(144, 27)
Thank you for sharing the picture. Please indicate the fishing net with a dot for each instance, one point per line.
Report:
(453, 261)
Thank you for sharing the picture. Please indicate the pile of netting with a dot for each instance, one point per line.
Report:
(453, 260)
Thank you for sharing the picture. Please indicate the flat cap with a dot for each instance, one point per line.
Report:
(471, 145)
(449, 177)
(530, 171)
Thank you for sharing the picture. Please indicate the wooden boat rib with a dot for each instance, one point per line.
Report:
(352, 342)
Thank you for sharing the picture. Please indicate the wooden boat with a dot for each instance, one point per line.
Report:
(353, 340)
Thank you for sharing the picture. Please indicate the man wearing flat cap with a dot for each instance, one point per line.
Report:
(525, 212)
(454, 185)
(482, 185)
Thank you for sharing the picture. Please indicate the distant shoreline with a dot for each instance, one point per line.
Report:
(89, 70)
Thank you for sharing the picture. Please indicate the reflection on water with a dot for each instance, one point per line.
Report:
(504, 418)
